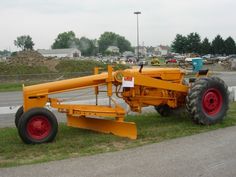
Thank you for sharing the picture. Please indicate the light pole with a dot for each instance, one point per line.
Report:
(137, 13)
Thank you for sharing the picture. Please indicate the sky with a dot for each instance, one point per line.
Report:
(159, 21)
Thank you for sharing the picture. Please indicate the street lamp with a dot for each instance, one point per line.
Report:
(137, 13)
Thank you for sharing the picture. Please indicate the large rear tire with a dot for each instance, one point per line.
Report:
(38, 125)
(208, 101)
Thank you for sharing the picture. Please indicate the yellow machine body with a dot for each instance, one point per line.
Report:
(151, 86)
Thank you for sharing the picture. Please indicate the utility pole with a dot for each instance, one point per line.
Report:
(137, 13)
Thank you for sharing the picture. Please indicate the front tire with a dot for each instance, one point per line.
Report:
(18, 115)
(38, 125)
(208, 101)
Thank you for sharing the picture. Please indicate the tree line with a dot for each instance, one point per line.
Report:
(88, 47)
(192, 43)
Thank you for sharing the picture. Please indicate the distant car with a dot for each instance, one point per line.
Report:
(188, 59)
(222, 58)
(208, 56)
(172, 60)
(231, 57)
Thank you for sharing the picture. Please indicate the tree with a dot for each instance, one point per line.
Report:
(24, 42)
(123, 44)
(205, 47)
(218, 46)
(111, 39)
(65, 40)
(230, 47)
(87, 46)
(193, 43)
(179, 44)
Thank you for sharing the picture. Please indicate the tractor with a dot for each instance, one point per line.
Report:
(155, 61)
(206, 100)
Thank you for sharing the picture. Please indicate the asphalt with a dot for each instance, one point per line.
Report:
(211, 154)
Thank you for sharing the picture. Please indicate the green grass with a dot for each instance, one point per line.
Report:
(8, 87)
(73, 142)
(84, 66)
(13, 69)
(5, 87)
(78, 65)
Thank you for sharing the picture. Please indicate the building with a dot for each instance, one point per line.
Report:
(142, 50)
(60, 53)
(113, 49)
(161, 50)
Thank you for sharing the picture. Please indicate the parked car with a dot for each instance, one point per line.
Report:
(230, 57)
(172, 60)
(222, 58)
(208, 56)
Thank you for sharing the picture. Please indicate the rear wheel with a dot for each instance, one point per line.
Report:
(38, 125)
(208, 100)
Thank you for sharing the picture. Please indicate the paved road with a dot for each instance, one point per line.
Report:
(228, 77)
(211, 154)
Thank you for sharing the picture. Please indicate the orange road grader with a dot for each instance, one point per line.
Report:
(205, 98)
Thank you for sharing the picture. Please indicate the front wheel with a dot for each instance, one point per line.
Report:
(38, 125)
(18, 115)
(208, 100)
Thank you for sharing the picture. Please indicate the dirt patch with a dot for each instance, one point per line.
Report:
(33, 58)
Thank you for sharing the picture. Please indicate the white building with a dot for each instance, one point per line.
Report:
(60, 53)
(162, 50)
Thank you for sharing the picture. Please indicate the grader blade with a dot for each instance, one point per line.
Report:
(123, 129)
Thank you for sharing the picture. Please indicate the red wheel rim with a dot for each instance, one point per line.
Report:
(39, 127)
(212, 101)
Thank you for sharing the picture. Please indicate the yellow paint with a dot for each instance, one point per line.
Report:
(151, 87)
(123, 129)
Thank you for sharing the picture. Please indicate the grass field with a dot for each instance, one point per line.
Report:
(73, 142)
(5, 87)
